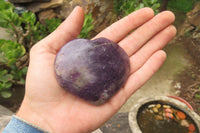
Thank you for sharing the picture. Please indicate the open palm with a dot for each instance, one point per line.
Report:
(50, 107)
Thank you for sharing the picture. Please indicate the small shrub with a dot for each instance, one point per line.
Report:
(127, 6)
(10, 73)
(87, 26)
(181, 5)
(14, 55)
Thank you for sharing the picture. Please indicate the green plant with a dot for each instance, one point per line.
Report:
(127, 6)
(197, 96)
(181, 5)
(14, 55)
(12, 69)
(5, 83)
(87, 26)
(42, 30)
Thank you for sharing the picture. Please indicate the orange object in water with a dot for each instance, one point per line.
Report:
(181, 115)
(191, 127)
(169, 115)
(190, 132)
(167, 110)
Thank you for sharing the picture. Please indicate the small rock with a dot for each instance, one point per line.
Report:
(68, 5)
(158, 106)
(151, 111)
(151, 106)
(193, 16)
(166, 106)
(97, 131)
(37, 6)
(159, 117)
(169, 115)
(191, 127)
(177, 85)
(168, 110)
(155, 110)
(184, 123)
(46, 14)
(181, 115)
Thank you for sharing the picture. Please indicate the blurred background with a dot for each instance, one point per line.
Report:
(24, 22)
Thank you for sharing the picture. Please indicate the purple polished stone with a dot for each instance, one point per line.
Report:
(94, 70)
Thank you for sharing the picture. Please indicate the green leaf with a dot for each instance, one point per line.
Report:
(5, 5)
(12, 61)
(1, 86)
(8, 85)
(29, 17)
(197, 96)
(16, 20)
(6, 78)
(6, 94)
(3, 72)
(52, 24)
(22, 81)
(10, 51)
(181, 5)
(24, 70)
(87, 26)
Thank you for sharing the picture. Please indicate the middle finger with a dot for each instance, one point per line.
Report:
(140, 36)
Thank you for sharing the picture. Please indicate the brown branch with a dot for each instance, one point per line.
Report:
(23, 61)
(17, 32)
(28, 31)
(163, 5)
(24, 65)
(16, 82)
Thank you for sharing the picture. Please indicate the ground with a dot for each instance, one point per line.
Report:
(189, 79)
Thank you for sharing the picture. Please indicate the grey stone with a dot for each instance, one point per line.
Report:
(46, 14)
(27, 1)
(101, 10)
(193, 16)
(97, 131)
(68, 6)
(38, 6)
(5, 34)
(5, 116)
(117, 124)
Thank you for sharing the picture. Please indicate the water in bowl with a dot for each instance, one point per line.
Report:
(158, 117)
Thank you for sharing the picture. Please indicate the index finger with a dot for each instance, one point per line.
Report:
(118, 30)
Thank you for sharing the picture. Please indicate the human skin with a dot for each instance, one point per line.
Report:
(50, 107)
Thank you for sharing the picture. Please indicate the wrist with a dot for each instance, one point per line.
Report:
(26, 113)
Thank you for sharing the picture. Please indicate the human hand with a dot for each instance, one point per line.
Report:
(50, 107)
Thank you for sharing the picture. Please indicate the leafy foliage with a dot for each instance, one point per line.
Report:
(5, 83)
(181, 5)
(87, 26)
(10, 53)
(14, 54)
(27, 31)
(125, 7)
(42, 30)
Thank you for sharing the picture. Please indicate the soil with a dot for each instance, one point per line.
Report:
(13, 103)
(189, 79)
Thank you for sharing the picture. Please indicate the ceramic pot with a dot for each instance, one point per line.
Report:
(179, 103)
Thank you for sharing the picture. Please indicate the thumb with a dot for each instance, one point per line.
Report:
(68, 30)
